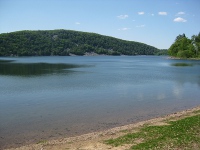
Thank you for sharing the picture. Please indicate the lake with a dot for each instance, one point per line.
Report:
(53, 97)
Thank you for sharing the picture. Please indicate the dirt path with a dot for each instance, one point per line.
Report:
(94, 141)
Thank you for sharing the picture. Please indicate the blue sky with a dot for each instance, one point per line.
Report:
(154, 22)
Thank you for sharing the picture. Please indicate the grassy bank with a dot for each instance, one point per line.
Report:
(180, 134)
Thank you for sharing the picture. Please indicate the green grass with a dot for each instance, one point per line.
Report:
(180, 134)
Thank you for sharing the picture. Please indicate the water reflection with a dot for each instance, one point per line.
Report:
(177, 91)
(187, 76)
(161, 96)
(9, 67)
(182, 64)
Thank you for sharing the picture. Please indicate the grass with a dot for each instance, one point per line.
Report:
(196, 112)
(42, 142)
(180, 134)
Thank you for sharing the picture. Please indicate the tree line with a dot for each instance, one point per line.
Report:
(66, 42)
(184, 47)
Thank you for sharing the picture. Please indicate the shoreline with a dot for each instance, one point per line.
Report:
(95, 140)
(177, 58)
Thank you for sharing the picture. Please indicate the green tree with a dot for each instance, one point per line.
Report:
(182, 47)
(196, 43)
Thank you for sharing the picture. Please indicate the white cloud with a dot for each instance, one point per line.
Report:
(162, 13)
(180, 13)
(77, 23)
(122, 16)
(141, 26)
(179, 19)
(151, 14)
(124, 29)
(141, 13)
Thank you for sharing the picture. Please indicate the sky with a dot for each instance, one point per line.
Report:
(154, 22)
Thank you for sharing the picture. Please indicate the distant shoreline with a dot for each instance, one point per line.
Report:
(177, 58)
(95, 140)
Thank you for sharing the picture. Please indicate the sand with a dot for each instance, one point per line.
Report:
(95, 140)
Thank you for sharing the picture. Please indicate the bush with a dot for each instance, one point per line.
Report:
(184, 54)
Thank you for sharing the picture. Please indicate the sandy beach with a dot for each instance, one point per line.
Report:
(95, 140)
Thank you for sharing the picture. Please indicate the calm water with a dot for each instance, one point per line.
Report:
(51, 97)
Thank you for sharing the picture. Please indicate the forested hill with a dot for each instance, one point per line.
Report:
(66, 42)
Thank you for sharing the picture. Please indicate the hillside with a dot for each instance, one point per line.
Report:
(66, 42)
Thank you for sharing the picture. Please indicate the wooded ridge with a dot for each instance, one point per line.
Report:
(67, 42)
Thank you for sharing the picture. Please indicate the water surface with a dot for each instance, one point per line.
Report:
(53, 97)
